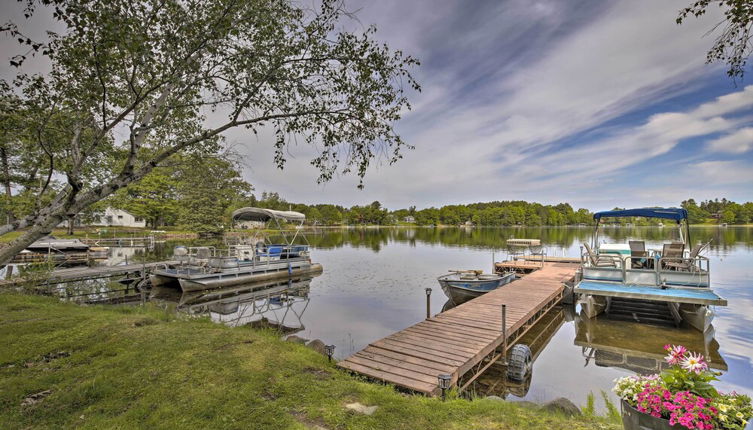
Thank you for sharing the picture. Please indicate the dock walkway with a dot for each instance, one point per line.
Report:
(74, 274)
(465, 339)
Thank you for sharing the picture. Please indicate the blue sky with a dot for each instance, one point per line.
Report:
(592, 102)
(596, 103)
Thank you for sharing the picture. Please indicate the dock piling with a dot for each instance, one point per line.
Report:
(428, 302)
(504, 334)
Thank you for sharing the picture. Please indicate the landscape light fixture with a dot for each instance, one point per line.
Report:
(444, 384)
(428, 302)
(330, 350)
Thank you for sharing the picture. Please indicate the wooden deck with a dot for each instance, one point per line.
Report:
(81, 273)
(520, 266)
(550, 259)
(467, 338)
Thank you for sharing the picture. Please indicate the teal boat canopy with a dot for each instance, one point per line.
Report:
(677, 214)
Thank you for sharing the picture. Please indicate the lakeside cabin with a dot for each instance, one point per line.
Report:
(119, 218)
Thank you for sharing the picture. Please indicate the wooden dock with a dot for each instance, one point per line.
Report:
(74, 274)
(519, 266)
(134, 241)
(465, 339)
(550, 259)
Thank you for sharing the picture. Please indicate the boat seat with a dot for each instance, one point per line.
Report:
(271, 251)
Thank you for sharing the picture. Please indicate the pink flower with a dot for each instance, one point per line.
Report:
(676, 354)
(694, 363)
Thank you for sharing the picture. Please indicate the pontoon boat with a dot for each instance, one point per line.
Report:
(648, 284)
(206, 267)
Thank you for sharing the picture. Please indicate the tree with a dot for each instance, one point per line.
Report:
(330, 214)
(203, 202)
(696, 215)
(134, 82)
(270, 200)
(733, 46)
(154, 197)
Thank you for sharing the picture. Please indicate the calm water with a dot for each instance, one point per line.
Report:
(373, 285)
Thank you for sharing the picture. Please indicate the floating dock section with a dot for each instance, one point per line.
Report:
(75, 274)
(465, 340)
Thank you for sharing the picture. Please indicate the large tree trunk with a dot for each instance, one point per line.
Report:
(71, 224)
(6, 180)
(35, 232)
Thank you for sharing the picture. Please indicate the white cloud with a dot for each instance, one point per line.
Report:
(736, 143)
(487, 129)
(724, 172)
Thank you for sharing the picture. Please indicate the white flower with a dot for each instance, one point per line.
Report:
(694, 363)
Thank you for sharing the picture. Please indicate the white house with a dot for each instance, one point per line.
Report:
(120, 218)
(409, 219)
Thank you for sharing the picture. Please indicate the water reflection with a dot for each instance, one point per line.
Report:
(639, 347)
(494, 238)
(278, 305)
(558, 240)
(494, 380)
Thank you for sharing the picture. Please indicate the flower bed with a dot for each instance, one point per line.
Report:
(683, 395)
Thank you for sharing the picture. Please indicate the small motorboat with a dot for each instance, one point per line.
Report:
(463, 285)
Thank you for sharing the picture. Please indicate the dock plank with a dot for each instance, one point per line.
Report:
(456, 341)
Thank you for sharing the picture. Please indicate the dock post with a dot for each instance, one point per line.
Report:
(504, 334)
(428, 302)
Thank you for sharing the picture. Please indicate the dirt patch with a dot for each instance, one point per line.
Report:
(24, 320)
(18, 307)
(269, 396)
(301, 417)
(318, 373)
(35, 398)
(48, 358)
(145, 322)
(228, 345)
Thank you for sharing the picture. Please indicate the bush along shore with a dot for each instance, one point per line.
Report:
(63, 365)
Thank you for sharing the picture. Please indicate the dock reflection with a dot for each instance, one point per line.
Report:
(639, 347)
(278, 305)
(494, 381)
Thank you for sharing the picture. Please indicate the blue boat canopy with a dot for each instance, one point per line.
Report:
(677, 214)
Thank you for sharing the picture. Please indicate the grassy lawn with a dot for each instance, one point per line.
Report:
(141, 367)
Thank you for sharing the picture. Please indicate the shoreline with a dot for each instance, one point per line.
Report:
(184, 234)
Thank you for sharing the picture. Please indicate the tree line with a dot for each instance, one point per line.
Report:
(719, 211)
(199, 193)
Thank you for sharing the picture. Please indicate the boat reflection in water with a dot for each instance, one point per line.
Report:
(494, 380)
(640, 347)
(276, 304)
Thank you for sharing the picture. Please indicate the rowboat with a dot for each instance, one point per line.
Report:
(463, 285)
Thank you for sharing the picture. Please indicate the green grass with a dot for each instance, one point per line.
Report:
(143, 367)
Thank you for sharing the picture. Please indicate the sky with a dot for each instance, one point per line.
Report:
(595, 103)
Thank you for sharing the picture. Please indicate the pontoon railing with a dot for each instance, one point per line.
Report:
(698, 265)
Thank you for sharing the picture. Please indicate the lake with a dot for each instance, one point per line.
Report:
(374, 279)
